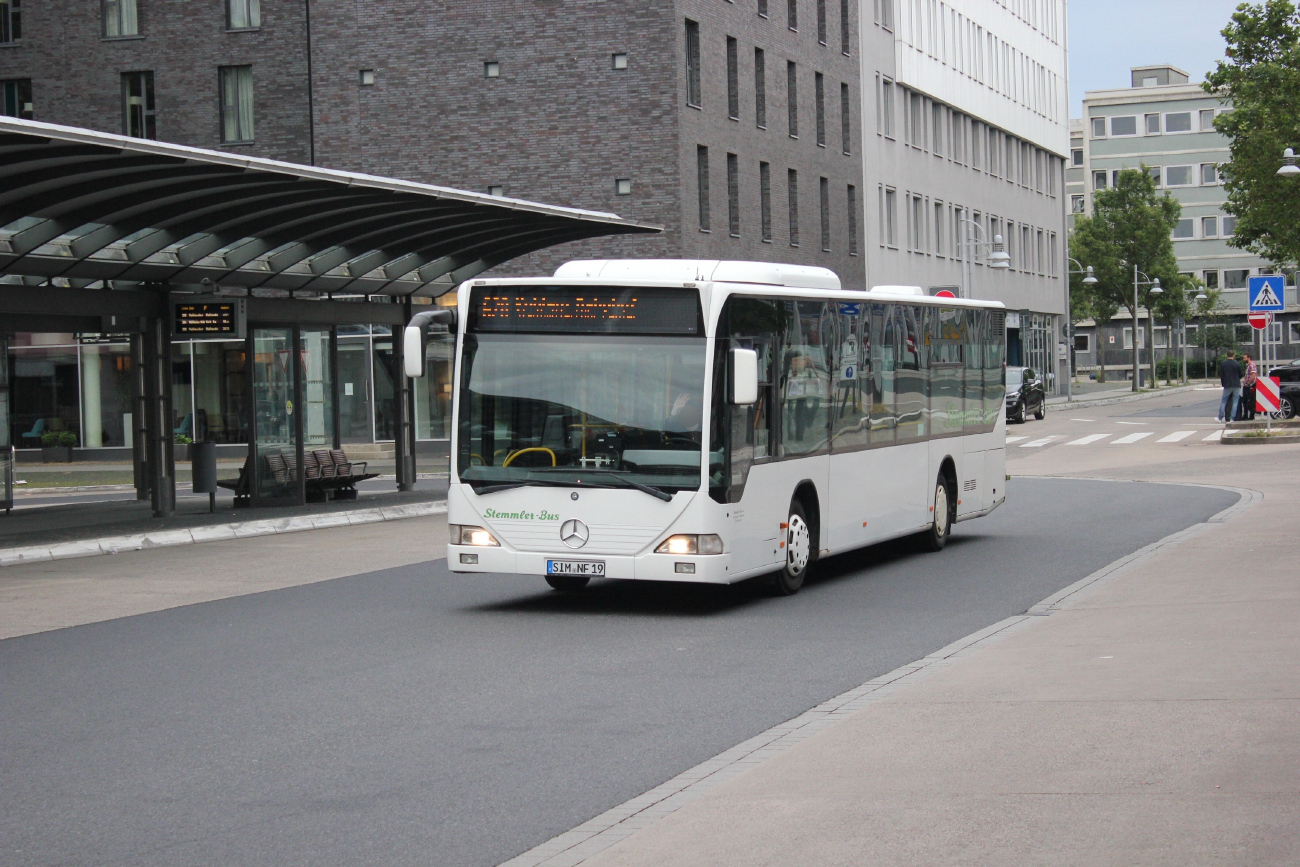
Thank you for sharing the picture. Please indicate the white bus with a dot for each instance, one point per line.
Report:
(712, 421)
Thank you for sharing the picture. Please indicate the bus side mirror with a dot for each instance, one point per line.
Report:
(744, 377)
(413, 338)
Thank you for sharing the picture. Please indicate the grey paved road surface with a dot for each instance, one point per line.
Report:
(413, 717)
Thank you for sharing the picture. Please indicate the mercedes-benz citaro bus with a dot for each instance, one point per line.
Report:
(712, 421)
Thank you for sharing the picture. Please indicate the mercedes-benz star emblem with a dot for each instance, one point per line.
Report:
(574, 533)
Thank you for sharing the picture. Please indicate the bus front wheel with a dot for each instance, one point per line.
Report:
(798, 552)
(568, 583)
(936, 536)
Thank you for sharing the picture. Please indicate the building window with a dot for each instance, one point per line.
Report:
(11, 21)
(765, 199)
(491, 69)
(366, 78)
(938, 228)
(1083, 343)
(846, 34)
(852, 222)
(236, 104)
(693, 89)
(1209, 174)
(846, 120)
(1178, 121)
(1099, 180)
(496, 190)
(137, 105)
(622, 186)
(936, 128)
(733, 195)
(916, 224)
(243, 14)
(120, 18)
(1229, 226)
(887, 107)
(1123, 126)
(1099, 127)
(819, 90)
(1209, 227)
(1207, 120)
(825, 187)
(702, 184)
(18, 98)
(1236, 278)
(792, 98)
(760, 89)
(1076, 156)
(885, 13)
(890, 221)
(618, 61)
(762, 8)
(1076, 204)
(792, 195)
(821, 21)
(733, 78)
(1178, 176)
(1153, 124)
(792, 14)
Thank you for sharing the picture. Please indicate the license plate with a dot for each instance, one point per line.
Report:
(592, 568)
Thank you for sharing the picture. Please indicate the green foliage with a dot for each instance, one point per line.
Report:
(1261, 80)
(58, 438)
(182, 439)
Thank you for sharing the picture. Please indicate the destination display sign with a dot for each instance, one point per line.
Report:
(208, 318)
(585, 310)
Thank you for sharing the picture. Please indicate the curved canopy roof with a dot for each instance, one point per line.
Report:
(88, 206)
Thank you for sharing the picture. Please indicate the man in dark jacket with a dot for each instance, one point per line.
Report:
(1230, 379)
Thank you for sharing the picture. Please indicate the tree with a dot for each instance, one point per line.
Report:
(1130, 227)
(1260, 79)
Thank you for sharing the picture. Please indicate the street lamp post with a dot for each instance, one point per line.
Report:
(1155, 290)
(1088, 280)
(1200, 296)
(998, 257)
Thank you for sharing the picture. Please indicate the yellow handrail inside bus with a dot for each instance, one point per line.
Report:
(514, 455)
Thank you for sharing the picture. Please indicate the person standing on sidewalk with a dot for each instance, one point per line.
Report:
(1247, 410)
(1230, 379)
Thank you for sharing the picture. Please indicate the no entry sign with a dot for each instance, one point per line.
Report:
(1268, 394)
(1259, 321)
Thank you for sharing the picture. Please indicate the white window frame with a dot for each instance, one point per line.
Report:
(1191, 235)
(1293, 335)
(1146, 124)
(1191, 174)
(1133, 117)
(1087, 342)
(1162, 336)
(1078, 204)
(1095, 121)
(1214, 167)
(121, 19)
(1202, 113)
(249, 11)
(1128, 337)
(1102, 185)
(1190, 125)
(1214, 227)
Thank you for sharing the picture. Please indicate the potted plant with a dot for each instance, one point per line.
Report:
(56, 446)
(182, 443)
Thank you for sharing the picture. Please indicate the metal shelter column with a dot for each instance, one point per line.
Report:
(159, 452)
(139, 417)
(404, 436)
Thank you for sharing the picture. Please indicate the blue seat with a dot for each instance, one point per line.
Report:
(187, 426)
(37, 430)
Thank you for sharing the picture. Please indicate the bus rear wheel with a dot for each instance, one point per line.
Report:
(798, 552)
(568, 583)
(936, 536)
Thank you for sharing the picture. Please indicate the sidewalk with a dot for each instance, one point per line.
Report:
(1149, 718)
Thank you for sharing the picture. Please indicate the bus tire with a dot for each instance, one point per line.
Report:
(798, 552)
(568, 583)
(937, 535)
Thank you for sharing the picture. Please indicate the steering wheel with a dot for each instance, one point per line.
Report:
(680, 439)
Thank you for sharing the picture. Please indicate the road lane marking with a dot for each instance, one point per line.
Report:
(1091, 438)
(1011, 440)
(1132, 438)
(1214, 437)
(1176, 436)
(1082, 419)
(1038, 444)
(1132, 422)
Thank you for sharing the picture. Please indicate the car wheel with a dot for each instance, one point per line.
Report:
(936, 536)
(1285, 408)
(798, 552)
(568, 583)
(1041, 412)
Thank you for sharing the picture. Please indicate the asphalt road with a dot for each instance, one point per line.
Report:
(413, 717)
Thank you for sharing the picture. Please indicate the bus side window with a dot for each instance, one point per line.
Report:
(754, 323)
(973, 418)
(912, 374)
(851, 416)
(805, 379)
(994, 351)
(883, 416)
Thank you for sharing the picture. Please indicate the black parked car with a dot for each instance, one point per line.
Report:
(1025, 394)
(1289, 377)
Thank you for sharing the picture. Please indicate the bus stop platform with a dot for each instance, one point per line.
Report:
(53, 526)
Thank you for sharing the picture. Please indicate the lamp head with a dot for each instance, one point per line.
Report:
(999, 258)
(1201, 296)
(1155, 287)
(1289, 167)
(1090, 279)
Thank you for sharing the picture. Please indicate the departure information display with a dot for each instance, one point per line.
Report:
(223, 318)
(585, 310)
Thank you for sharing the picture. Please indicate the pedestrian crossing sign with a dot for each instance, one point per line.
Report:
(1266, 292)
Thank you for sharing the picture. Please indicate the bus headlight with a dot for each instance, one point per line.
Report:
(691, 543)
(462, 534)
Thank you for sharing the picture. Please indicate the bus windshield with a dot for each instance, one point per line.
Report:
(544, 408)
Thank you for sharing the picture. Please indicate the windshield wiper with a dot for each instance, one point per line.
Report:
(578, 483)
(657, 493)
(492, 489)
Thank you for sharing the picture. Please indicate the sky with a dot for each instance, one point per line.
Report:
(1107, 37)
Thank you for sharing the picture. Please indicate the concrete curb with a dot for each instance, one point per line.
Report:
(1128, 398)
(1240, 440)
(215, 533)
(576, 845)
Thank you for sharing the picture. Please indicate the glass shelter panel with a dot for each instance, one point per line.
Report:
(274, 422)
(317, 388)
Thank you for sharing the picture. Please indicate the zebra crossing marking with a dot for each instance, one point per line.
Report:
(1089, 439)
(1214, 437)
(1176, 436)
(1038, 444)
(1132, 438)
(1011, 440)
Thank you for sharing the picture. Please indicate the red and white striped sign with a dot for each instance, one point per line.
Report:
(1268, 394)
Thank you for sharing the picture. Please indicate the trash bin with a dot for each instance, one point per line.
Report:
(203, 471)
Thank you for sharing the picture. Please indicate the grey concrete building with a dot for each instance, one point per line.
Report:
(1166, 123)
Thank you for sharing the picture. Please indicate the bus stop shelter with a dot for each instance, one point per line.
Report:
(105, 234)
